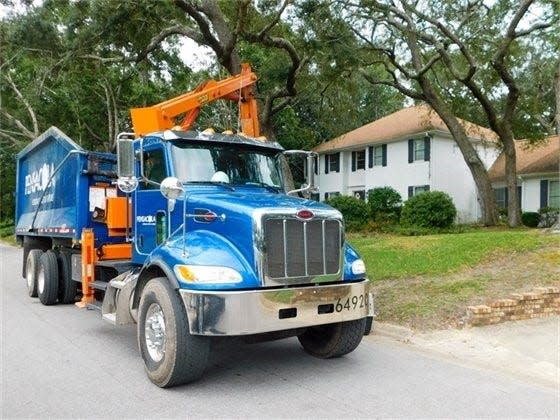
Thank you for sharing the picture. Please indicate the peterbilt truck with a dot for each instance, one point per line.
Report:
(190, 235)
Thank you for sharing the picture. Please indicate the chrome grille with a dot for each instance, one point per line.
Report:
(298, 249)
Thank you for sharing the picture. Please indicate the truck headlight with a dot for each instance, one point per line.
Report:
(358, 267)
(207, 274)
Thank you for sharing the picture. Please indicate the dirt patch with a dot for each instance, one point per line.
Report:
(425, 303)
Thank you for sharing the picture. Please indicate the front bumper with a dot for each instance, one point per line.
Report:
(259, 311)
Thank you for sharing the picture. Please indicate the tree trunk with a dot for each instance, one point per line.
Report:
(514, 213)
(557, 94)
(486, 198)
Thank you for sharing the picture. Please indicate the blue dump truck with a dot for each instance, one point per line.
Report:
(190, 235)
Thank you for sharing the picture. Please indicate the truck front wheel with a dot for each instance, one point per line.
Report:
(333, 340)
(172, 356)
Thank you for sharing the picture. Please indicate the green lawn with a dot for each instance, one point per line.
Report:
(388, 256)
(427, 282)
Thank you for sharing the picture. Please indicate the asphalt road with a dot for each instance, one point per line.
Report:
(62, 361)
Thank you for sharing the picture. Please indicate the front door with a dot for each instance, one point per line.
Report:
(150, 207)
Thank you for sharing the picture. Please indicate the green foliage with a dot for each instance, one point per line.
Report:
(430, 209)
(6, 228)
(530, 219)
(354, 210)
(384, 204)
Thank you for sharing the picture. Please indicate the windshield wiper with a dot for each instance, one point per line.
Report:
(219, 184)
(269, 187)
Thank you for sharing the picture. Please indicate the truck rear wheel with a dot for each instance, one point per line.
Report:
(47, 278)
(30, 243)
(32, 270)
(67, 288)
(172, 356)
(333, 340)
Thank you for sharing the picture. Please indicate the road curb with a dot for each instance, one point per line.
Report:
(393, 331)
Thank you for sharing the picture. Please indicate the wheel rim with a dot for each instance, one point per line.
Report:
(41, 280)
(29, 273)
(155, 336)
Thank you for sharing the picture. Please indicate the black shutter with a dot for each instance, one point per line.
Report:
(410, 151)
(544, 193)
(370, 156)
(326, 196)
(384, 155)
(353, 161)
(316, 165)
(337, 161)
(427, 148)
(326, 164)
(506, 197)
(410, 192)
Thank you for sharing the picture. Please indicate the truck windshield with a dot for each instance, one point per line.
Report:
(226, 163)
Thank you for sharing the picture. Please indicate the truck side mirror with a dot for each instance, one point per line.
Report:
(309, 187)
(171, 188)
(127, 181)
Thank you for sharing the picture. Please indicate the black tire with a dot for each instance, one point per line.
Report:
(333, 340)
(67, 288)
(32, 270)
(30, 243)
(369, 325)
(47, 278)
(179, 357)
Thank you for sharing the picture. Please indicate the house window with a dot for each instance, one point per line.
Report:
(332, 163)
(502, 197)
(358, 160)
(377, 155)
(417, 189)
(361, 194)
(500, 194)
(419, 149)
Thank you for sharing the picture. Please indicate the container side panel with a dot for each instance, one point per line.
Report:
(47, 199)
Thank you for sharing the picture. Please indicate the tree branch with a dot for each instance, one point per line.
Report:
(24, 131)
(27, 106)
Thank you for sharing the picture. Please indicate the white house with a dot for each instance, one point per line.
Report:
(537, 175)
(411, 151)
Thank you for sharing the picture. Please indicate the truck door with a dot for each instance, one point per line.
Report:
(150, 209)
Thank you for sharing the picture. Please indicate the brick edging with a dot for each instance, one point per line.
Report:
(539, 303)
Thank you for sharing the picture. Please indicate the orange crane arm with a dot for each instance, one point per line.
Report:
(239, 88)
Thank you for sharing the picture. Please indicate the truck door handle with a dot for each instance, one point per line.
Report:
(141, 241)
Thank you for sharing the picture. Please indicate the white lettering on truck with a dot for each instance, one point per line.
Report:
(38, 180)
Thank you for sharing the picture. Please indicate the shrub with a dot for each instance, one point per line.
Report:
(548, 216)
(530, 219)
(430, 209)
(384, 204)
(354, 210)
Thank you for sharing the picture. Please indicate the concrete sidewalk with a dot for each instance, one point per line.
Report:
(528, 350)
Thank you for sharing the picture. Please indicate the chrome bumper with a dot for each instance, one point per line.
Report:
(259, 311)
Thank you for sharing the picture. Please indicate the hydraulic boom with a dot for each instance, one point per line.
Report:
(237, 88)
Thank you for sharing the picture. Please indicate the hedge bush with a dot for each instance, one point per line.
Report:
(530, 219)
(385, 204)
(430, 209)
(354, 210)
